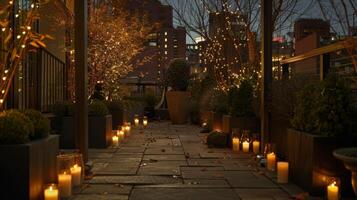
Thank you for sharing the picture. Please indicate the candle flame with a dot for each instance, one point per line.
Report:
(51, 188)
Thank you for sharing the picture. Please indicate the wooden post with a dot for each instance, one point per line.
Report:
(267, 37)
(324, 65)
(81, 77)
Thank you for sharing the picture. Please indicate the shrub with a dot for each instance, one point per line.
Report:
(116, 105)
(15, 128)
(178, 75)
(98, 108)
(150, 99)
(217, 139)
(241, 99)
(41, 124)
(61, 109)
(194, 112)
(219, 102)
(325, 108)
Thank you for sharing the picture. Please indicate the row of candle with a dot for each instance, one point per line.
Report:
(121, 133)
(245, 145)
(137, 121)
(65, 183)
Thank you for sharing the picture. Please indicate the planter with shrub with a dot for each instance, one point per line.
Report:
(116, 110)
(100, 125)
(322, 122)
(217, 139)
(219, 106)
(63, 124)
(177, 77)
(150, 103)
(28, 154)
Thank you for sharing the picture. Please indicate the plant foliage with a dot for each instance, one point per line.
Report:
(41, 124)
(15, 128)
(178, 75)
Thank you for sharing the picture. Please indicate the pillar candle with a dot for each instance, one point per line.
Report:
(271, 161)
(51, 193)
(65, 184)
(121, 135)
(76, 172)
(256, 147)
(136, 121)
(127, 129)
(245, 147)
(235, 144)
(283, 172)
(115, 140)
(145, 123)
(332, 192)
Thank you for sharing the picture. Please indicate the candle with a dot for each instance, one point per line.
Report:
(136, 121)
(283, 172)
(271, 161)
(127, 128)
(65, 184)
(115, 139)
(121, 135)
(245, 146)
(51, 193)
(332, 192)
(256, 146)
(145, 122)
(76, 175)
(235, 144)
(204, 124)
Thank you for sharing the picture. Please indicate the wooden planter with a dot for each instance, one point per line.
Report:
(312, 164)
(99, 131)
(217, 122)
(241, 123)
(206, 117)
(117, 118)
(177, 102)
(67, 133)
(25, 168)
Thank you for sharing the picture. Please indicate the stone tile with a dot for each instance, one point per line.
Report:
(228, 164)
(247, 179)
(172, 151)
(96, 155)
(100, 197)
(137, 180)
(124, 168)
(262, 194)
(107, 189)
(134, 149)
(198, 168)
(216, 183)
(161, 168)
(164, 157)
(182, 194)
(203, 174)
(109, 150)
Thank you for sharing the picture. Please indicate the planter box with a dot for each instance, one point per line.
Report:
(177, 102)
(117, 118)
(99, 131)
(217, 122)
(241, 123)
(26, 168)
(312, 163)
(206, 116)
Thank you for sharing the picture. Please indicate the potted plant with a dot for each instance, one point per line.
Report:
(349, 158)
(100, 125)
(217, 139)
(116, 110)
(150, 100)
(322, 122)
(242, 117)
(28, 154)
(63, 123)
(177, 78)
(219, 107)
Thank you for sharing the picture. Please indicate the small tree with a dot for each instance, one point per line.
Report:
(178, 75)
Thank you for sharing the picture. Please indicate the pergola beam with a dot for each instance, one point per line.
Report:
(81, 77)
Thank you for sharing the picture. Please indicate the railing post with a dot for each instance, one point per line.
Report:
(324, 65)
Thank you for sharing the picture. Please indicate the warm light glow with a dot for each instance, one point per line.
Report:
(271, 161)
(332, 191)
(76, 175)
(235, 143)
(245, 146)
(283, 172)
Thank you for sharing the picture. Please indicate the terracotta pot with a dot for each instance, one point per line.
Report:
(350, 163)
(177, 102)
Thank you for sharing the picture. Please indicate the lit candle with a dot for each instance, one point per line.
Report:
(235, 144)
(283, 172)
(145, 122)
(271, 161)
(332, 192)
(76, 175)
(121, 135)
(115, 139)
(127, 128)
(51, 193)
(256, 146)
(136, 121)
(204, 124)
(245, 146)
(65, 184)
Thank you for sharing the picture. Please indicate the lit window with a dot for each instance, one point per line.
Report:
(165, 45)
(165, 39)
(165, 52)
(165, 33)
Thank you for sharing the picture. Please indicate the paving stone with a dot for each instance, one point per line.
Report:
(107, 189)
(216, 183)
(164, 157)
(137, 180)
(135, 149)
(203, 174)
(100, 197)
(109, 150)
(95, 155)
(182, 193)
(126, 168)
(247, 179)
(198, 168)
(172, 151)
(262, 194)
(161, 167)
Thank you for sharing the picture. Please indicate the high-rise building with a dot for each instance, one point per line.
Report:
(304, 27)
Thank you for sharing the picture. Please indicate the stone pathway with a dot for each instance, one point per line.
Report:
(169, 162)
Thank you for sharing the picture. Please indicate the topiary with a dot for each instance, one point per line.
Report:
(219, 102)
(217, 139)
(98, 108)
(241, 99)
(15, 128)
(41, 124)
(178, 75)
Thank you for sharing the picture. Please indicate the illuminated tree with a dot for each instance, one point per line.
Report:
(115, 41)
(16, 41)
